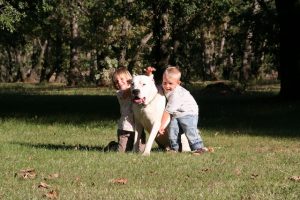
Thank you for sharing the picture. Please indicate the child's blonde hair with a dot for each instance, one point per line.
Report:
(121, 71)
(172, 72)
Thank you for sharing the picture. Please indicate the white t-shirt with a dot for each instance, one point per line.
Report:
(181, 103)
(126, 121)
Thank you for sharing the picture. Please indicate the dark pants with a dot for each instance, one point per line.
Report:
(126, 139)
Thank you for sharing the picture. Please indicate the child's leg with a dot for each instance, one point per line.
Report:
(173, 134)
(125, 144)
(189, 125)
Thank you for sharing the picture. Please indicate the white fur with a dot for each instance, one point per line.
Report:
(148, 111)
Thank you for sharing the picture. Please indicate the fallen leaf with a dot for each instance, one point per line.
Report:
(53, 176)
(120, 180)
(53, 194)
(152, 172)
(77, 179)
(295, 178)
(253, 176)
(26, 174)
(237, 171)
(209, 149)
(205, 170)
(43, 185)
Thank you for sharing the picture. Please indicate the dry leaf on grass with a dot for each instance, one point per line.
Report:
(77, 180)
(26, 174)
(43, 185)
(295, 178)
(52, 176)
(253, 176)
(120, 180)
(205, 170)
(209, 149)
(53, 194)
(237, 171)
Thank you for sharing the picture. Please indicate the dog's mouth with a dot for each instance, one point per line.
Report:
(139, 100)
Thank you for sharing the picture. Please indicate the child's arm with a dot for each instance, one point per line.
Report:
(165, 118)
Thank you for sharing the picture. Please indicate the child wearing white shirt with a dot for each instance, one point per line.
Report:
(183, 110)
(122, 82)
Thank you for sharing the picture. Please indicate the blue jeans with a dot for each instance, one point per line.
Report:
(188, 125)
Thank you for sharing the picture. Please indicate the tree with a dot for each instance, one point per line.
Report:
(289, 69)
(84, 40)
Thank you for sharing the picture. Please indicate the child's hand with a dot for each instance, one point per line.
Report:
(149, 70)
(161, 131)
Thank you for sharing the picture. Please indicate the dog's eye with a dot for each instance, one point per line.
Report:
(144, 84)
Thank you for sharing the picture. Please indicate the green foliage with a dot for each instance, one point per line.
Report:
(10, 16)
(192, 38)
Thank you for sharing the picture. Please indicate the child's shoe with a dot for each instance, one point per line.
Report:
(199, 151)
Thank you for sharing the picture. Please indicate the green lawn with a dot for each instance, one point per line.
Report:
(61, 132)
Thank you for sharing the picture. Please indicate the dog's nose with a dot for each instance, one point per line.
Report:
(135, 91)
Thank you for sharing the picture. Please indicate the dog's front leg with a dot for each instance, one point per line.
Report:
(151, 139)
(137, 136)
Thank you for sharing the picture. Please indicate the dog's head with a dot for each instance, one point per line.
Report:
(143, 89)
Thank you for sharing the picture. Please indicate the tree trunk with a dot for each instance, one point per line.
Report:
(135, 63)
(247, 58)
(74, 72)
(11, 77)
(203, 57)
(161, 36)
(58, 68)
(289, 36)
(21, 60)
(126, 26)
(34, 76)
(209, 52)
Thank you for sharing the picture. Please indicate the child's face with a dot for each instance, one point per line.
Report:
(122, 82)
(169, 83)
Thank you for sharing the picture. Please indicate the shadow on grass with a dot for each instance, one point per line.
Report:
(75, 109)
(63, 147)
(77, 147)
(254, 114)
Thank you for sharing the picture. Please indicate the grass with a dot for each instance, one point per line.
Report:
(62, 131)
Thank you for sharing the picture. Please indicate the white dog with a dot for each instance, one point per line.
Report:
(148, 107)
